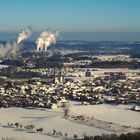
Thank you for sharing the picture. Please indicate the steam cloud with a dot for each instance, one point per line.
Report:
(24, 35)
(7, 49)
(46, 39)
(12, 49)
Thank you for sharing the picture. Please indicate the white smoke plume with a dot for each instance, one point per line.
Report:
(8, 49)
(24, 35)
(12, 49)
(46, 39)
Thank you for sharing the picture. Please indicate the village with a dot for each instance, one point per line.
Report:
(69, 70)
(63, 86)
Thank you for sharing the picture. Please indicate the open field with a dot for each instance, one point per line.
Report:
(80, 75)
(53, 119)
(112, 118)
(47, 119)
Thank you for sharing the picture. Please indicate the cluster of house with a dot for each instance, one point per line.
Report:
(35, 94)
(114, 88)
(108, 91)
(124, 58)
(45, 72)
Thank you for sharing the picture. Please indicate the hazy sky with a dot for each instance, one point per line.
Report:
(73, 16)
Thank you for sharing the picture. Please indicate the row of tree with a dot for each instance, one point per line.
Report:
(128, 136)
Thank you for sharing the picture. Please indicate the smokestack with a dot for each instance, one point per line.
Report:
(46, 39)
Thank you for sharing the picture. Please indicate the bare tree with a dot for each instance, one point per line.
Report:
(54, 132)
(66, 110)
(39, 130)
(66, 134)
(17, 124)
(20, 126)
(75, 136)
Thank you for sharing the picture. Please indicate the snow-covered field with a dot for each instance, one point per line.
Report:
(101, 71)
(65, 52)
(119, 114)
(53, 119)
(48, 119)
(3, 66)
(80, 75)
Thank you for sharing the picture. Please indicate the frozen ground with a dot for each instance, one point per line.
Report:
(3, 66)
(112, 118)
(120, 114)
(130, 73)
(53, 119)
(48, 119)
